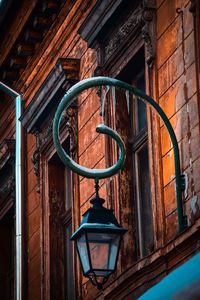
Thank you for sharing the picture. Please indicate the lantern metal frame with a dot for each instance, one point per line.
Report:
(98, 219)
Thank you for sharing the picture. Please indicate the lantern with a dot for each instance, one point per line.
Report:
(98, 242)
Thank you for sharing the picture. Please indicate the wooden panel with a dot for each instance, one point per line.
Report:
(34, 270)
(57, 208)
(87, 185)
(189, 49)
(169, 41)
(31, 181)
(33, 222)
(34, 245)
(196, 172)
(195, 142)
(170, 71)
(33, 201)
(87, 61)
(193, 111)
(88, 133)
(34, 292)
(167, 12)
(180, 125)
(171, 226)
(90, 105)
(169, 198)
(29, 159)
(174, 98)
(168, 167)
(94, 153)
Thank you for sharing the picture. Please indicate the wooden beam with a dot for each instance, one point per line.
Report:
(41, 22)
(25, 49)
(10, 75)
(33, 36)
(17, 62)
(50, 7)
(71, 67)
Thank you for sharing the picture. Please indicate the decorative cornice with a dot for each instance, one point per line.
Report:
(131, 26)
(138, 23)
(128, 26)
(39, 21)
(65, 73)
(96, 19)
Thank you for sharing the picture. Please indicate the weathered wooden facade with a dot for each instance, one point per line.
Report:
(46, 47)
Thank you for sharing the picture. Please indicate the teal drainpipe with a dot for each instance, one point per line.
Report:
(18, 187)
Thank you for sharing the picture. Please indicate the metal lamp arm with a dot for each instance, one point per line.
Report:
(99, 174)
(86, 172)
(83, 171)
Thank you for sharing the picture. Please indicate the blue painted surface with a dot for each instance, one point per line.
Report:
(184, 277)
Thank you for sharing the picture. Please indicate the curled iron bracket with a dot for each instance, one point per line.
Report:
(98, 173)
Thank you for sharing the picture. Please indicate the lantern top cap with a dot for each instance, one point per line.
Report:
(98, 228)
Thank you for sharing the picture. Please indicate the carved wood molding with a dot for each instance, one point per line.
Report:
(127, 26)
(131, 25)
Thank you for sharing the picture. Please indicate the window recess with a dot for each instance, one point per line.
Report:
(7, 219)
(60, 186)
(134, 74)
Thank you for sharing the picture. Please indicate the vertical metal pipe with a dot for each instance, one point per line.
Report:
(18, 191)
(18, 187)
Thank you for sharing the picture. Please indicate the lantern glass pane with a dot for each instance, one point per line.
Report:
(83, 253)
(113, 252)
(103, 249)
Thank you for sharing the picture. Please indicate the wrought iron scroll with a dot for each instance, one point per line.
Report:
(104, 173)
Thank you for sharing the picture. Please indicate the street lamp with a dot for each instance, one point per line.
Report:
(98, 241)
(99, 235)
